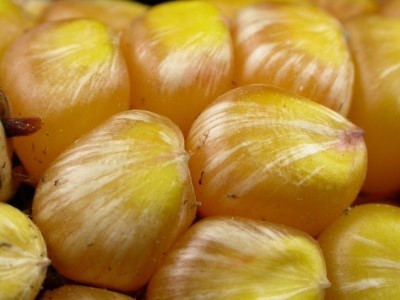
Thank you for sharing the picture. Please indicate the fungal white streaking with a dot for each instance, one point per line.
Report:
(16, 250)
(340, 91)
(213, 163)
(289, 63)
(217, 120)
(368, 241)
(325, 79)
(170, 139)
(363, 284)
(50, 55)
(181, 68)
(118, 195)
(8, 224)
(21, 259)
(251, 21)
(52, 62)
(306, 74)
(165, 33)
(11, 226)
(308, 71)
(77, 174)
(90, 80)
(111, 162)
(382, 263)
(322, 29)
(261, 174)
(218, 160)
(176, 68)
(312, 174)
(212, 250)
(389, 70)
(262, 56)
(25, 273)
(138, 115)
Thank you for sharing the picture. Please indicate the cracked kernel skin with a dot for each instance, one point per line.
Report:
(263, 153)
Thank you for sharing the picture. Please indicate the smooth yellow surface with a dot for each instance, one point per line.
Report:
(10, 10)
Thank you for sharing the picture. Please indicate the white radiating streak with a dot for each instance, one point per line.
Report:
(276, 57)
(70, 71)
(290, 62)
(261, 174)
(310, 176)
(218, 121)
(52, 55)
(340, 90)
(262, 58)
(252, 21)
(182, 69)
(363, 284)
(249, 249)
(89, 166)
(263, 116)
(376, 266)
(103, 178)
(383, 264)
(389, 70)
(368, 241)
(197, 58)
